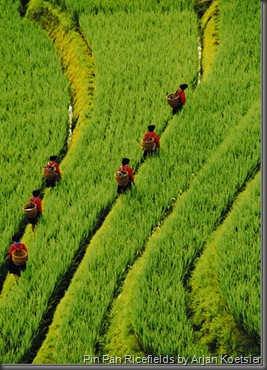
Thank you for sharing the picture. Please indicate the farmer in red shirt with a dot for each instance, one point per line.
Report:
(36, 198)
(151, 134)
(14, 269)
(57, 178)
(125, 167)
(182, 98)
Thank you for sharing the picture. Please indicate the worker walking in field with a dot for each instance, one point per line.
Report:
(35, 199)
(150, 141)
(124, 176)
(182, 98)
(52, 172)
(17, 257)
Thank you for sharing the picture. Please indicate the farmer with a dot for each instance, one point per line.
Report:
(151, 134)
(125, 167)
(36, 198)
(53, 164)
(14, 269)
(182, 98)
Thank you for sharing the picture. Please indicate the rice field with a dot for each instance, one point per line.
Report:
(108, 275)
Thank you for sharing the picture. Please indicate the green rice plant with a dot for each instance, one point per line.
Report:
(109, 6)
(239, 261)
(109, 254)
(72, 209)
(181, 239)
(34, 102)
(209, 25)
(201, 6)
(76, 57)
(210, 315)
(60, 234)
(183, 156)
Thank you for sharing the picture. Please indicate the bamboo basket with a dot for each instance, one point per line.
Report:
(49, 172)
(148, 144)
(122, 178)
(19, 257)
(30, 210)
(173, 100)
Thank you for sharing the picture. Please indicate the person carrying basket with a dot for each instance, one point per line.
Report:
(17, 257)
(124, 176)
(52, 172)
(36, 203)
(182, 98)
(150, 141)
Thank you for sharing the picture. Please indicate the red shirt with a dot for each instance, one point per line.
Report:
(129, 170)
(16, 245)
(181, 94)
(38, 202)
(54, 164)
(155, 137)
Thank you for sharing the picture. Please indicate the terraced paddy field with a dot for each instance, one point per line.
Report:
(169, 272)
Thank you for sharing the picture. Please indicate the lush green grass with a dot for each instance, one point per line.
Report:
(76, 56)
(60, 233)
(158, 296)
(130, 94)
(113, 248)
(215, 326)
(239, 261)
(34, 114)
(159, 291)
(110, 7)
(122, 334)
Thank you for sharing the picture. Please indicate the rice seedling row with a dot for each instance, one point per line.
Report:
(96, 7)
(239, 261)
(108, 255)
(241, 95)
(160, 288)
(87, 295)
(76, 56)
(48, 355)
(215, 325)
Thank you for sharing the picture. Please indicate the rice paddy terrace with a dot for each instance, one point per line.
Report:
(169, 272)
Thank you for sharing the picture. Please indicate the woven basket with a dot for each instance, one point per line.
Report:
(19, 257)
(30, 210)
(173, 100)
(148, 144)
(122, 178)
(49, 172)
